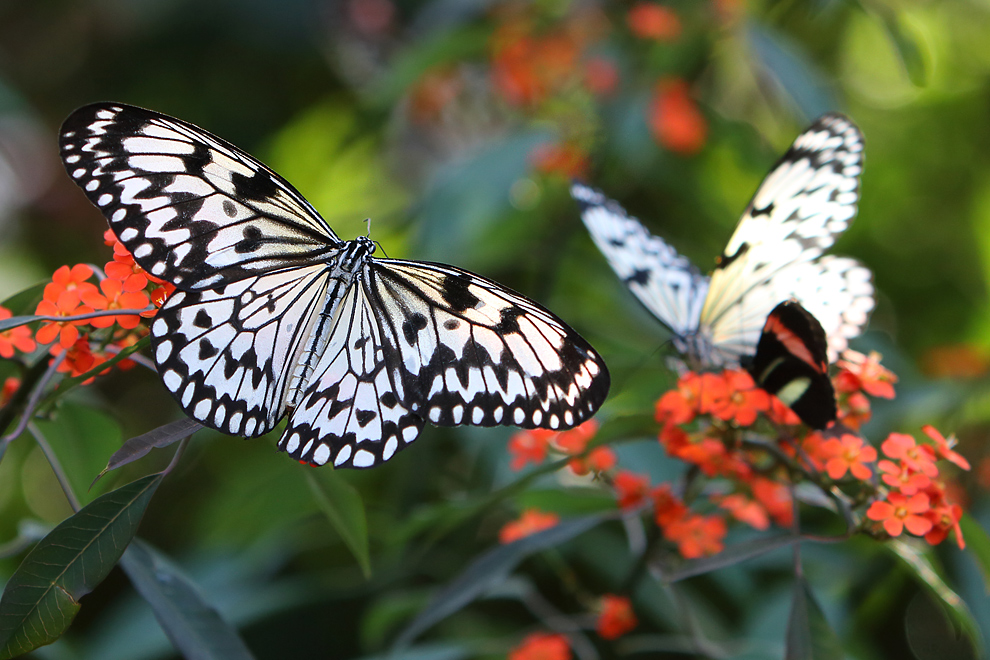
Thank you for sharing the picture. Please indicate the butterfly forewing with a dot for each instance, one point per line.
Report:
(805, 202)
(666, 283)
(193, 209)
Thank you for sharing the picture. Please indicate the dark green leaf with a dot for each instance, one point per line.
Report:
(196, 629)
(731, 555)
(809, 637)
(343, 507)
(923, 568)
(139, 446)
(42, 596)
(978, 545)
(490, 569)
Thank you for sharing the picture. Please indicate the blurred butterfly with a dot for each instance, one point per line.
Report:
(775, 254)
(275, 315)
(791, 361)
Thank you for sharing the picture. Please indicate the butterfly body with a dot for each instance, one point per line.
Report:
(775, 254)
(274, 315)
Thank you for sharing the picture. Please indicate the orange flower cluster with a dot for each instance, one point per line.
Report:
(533, 446)
(71, 293)
(724, 404)
(615, 619)
(530, 522)
(542, 646)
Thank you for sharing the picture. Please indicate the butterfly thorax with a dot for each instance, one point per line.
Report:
(346, 266)
(701, 352)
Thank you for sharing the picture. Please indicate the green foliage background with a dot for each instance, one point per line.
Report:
(293, 83)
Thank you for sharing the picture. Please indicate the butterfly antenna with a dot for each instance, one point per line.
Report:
(368, 222)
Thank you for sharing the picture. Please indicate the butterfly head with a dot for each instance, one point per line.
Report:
(356, 252)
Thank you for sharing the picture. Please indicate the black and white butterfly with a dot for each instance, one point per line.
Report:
(775, 254)
(791, 362)
(274, 314)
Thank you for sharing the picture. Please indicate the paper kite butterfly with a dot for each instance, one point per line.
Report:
(275, 315)
(774, 255)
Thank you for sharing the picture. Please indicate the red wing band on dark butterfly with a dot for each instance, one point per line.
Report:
(791, 362)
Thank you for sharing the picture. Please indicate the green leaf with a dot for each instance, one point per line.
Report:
(978, 544)
(925, 571)
(906, 45)
(733, 554)
(194, 627)
(343, 507)
(42, 596)
(488, 570)
(809, 636)
(786, 63)
(139, 446)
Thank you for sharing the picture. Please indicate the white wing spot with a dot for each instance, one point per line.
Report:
(321, 455)
(363, 458)
(342, 456)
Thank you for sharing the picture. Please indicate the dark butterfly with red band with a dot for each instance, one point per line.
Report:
(791, 362)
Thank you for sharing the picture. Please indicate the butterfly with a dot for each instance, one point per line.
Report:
(791, 362)
(775, 254)
(274, 315)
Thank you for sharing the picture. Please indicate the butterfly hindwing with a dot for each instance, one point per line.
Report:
(193, 209)
(228, 355)
(791, 361)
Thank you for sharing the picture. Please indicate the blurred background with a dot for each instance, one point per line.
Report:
(455, 125)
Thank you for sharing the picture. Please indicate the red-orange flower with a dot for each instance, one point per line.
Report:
(675, 120)
(900, 512)
(631, 489)
(598, 459)
(744, 400)
(745, 510)
(526, 69)
(10, 386)
(849, 453)
(530, 522)
(616, 618)
(667, 507)
(542, 646)
(159, 295)
(18, 338)
(433, 92)
(529, 446)
(903, 447)
(69, 279)
(861, 372)
(780, 413)
(575, 440)
(697, 536)
(600, 76)
(903, 478)
(66, 303)
(117, 294)
(565, 159)
(943, 446)
(651, 21)
(79, 358)
(945, 518)
(679, 406)
(853, 408)
(776, 499)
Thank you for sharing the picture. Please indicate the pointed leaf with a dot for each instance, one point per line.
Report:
(490, 569)
(344, 508)
(923, 568)
(139, 446)
(809, 637)
(733, 554)
(978, 544)
(42, 596)
(196, 630)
